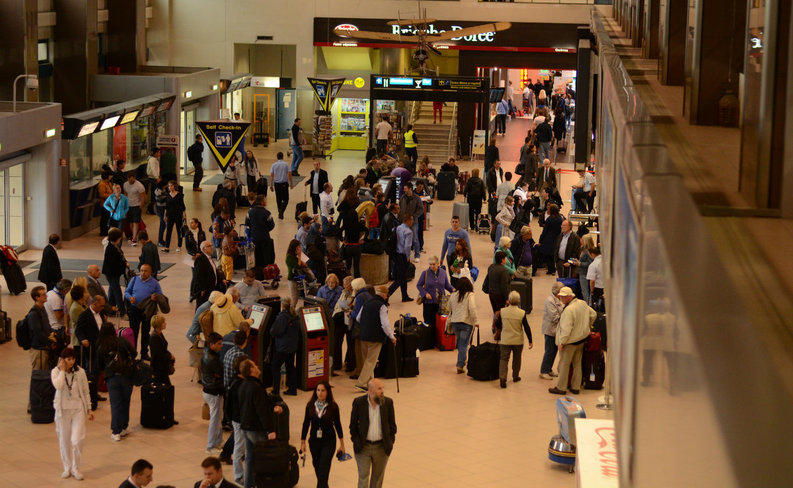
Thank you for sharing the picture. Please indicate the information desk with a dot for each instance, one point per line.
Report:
(312, 355)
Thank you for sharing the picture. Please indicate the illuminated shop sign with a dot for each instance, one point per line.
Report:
(410, 30)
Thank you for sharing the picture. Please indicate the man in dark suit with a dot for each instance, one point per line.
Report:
(494, 178)
(87, 331)
(213, 475)
(50, 267)
(568, 245)
(95, 287)
(372, 447)
(142, 475)
(317, 180)
(206, 276)
(546, 177)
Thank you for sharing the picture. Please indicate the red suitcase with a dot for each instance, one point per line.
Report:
(442, 340)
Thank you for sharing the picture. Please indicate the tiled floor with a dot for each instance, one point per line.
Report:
(452, 431)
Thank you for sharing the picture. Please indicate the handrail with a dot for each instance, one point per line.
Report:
(415, 110)
(452, 131)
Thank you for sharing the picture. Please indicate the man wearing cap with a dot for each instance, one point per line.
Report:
(574, 327)
(551, 312)
(375, 327)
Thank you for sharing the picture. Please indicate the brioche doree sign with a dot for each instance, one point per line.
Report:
(223, 138)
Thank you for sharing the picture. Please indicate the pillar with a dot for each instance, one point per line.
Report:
(76, 56)
(673, 42)
(652, 12)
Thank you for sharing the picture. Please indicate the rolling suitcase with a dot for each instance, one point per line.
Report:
(156, 406)
(523, 287)
(446, 186)
(594, 369)
(426, 336)
(276, 464)
(492, 206)
(444, 342)
(460, 209)
(281, 419)
(42, 396)
(408, 347)
(15, 277)
(483, 360)
(5, 327)
(573, 284)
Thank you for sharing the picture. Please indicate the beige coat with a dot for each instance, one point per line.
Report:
(575, 322)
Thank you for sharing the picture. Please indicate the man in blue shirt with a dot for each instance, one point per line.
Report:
(450, 238)
(502, 108)
(140, 288)
(281, 183)
(404, 246)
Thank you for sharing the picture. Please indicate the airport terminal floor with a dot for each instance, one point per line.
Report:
(452, 431)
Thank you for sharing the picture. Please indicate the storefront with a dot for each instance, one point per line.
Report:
(530, 46)
(232, 90)
(96, 139)
(29, 173)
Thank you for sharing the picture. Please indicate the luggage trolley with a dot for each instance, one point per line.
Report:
(561, 449)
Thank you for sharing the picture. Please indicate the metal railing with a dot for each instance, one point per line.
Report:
(415, 110)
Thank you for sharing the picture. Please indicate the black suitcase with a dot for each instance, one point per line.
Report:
(15, 278)
(594, 370)
(42, 396)
(426, 337)
(446, 186)
(156, 406)
(5, 327)
(492, 206)
(387, 361)
(483, 360)
(281, 419)
(261, 186)
(523, 287)
(339, 268)
(276, 464)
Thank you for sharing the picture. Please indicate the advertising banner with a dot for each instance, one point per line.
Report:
(326, 91)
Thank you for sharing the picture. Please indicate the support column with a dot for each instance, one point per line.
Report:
(652, 13)
(583, 103)
(717, 58)
(76, 56)
(124, 30)
(673, 42)
(18, 45)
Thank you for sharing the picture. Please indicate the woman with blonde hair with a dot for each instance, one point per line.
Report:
(505, 218)
(162, 361)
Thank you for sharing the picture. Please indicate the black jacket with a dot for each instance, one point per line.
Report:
(491, 156)
(517, 248)
(150, 256)
(329, 421)
(161, 358)
(190, 243)
(86, 328)
(212, 372)
(205, 279)
(50, 270)
(475, 189)
(285, 333)
(260, 222)
(541, 183)
(231, 406)
(114, 264)
(492, 181)
(323, 178)
(497, 280)
(256, 408)
(359, 423)
(223, 484)
(195, 153)
(40, 330)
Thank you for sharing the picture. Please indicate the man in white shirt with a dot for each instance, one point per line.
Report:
(510, 95)
(522, 193)
(54, 304)
(373, 433)
(382, 133)
(503, 190)
(326, 207)
(595, 276)
(136, 194)
(153, 172)
(584, 194)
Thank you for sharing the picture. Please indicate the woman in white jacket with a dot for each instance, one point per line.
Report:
(462, 317)
(504, 219)
(72, 405)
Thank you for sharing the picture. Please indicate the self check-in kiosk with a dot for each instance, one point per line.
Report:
(312, 358)
(388, 183)
(315, 301)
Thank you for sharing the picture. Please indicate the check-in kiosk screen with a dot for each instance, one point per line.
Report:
(313, 321)
(259, 315)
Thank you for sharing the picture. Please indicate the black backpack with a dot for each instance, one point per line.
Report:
(544, 132)
(23, 334)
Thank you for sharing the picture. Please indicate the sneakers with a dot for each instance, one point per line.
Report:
(165, 249)
(78, 475)
(214, 451)
(545, 376)
(133, 243)
(125, 432)
(66, 474)
(178, 249)
(115, 437)
(556, 391)
(415, 260)
(554, 375)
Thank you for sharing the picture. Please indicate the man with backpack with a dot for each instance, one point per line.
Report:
(195, 154)
(38, 330)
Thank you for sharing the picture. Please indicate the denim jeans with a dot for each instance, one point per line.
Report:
(463, 332)
(114, 295)
(215, 434)
(119, 389)
(297, 157)
(252, 437)
(550, 354)
(416, 243)
(584, 287)
(239, 451)
(545, 151)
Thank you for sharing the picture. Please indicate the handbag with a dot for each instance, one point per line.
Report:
(419, 300)
(142, 373)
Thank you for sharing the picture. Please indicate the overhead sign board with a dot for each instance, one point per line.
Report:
(326, 91)
(223, 138)
(430, 83)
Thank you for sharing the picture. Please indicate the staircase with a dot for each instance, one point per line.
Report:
(434, 138)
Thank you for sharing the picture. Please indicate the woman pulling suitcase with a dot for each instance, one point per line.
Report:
(323, 419)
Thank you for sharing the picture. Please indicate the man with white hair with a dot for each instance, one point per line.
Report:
(552, 311)
(574, 327)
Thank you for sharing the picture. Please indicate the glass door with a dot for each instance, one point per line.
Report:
(12, 206)
(187, 137)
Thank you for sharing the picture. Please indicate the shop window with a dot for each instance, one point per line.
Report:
(140, 139)
(101, 150)
(159, 127)
(80, 161)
